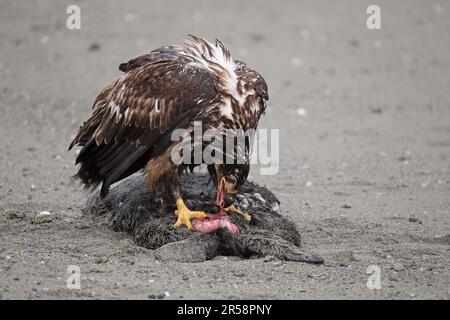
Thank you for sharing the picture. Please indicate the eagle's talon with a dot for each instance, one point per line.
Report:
(185, 215)
(233, 209)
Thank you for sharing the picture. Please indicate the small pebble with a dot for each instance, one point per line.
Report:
(296, 62)
(276, 263)
(15, 215)
(305, 34)
(269, 258)
(354, 43)
(45, 39)
(438, 8)
(93, 47)
(301, 112)
(101, 260)
(376, 110)
(323, 276)
(413, 219)
(398, 266)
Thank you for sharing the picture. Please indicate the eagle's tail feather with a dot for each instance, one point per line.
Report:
(106, 164)
(88, 172)
(117, 173)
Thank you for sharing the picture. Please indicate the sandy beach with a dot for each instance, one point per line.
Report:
(364, 157)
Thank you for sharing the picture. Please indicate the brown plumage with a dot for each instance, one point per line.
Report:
(133, 118)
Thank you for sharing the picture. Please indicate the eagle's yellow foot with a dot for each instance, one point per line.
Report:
(185, 215)
(233, 209)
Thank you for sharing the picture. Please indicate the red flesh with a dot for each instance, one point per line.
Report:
(209, 224)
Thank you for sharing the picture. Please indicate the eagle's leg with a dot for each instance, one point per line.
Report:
(184, 214)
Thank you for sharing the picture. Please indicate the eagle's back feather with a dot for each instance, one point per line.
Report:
(130, 121)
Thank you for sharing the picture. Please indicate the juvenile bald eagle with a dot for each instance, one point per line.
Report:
(170, 88)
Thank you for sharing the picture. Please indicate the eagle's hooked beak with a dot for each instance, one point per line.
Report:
(224, 187)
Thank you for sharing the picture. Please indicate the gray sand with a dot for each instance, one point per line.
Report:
(364, 174)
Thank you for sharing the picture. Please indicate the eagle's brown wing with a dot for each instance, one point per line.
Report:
(134, 117)
(167, 53)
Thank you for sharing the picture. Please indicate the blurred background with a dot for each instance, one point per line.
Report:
(364, 115)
